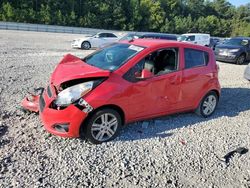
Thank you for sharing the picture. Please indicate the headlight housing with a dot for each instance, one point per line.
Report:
(73, 93)
(234, 50)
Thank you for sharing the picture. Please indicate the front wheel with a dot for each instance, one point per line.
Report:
(241, 59)
(207, 105)
(85, 45)
(102, 126)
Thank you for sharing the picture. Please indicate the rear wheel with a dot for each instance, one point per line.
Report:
(241, 59)
(207, 105)
(85, 45)
(102, 126)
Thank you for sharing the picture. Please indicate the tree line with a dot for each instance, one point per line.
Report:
(217, 17)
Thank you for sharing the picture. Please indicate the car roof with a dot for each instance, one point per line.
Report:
(243, 38)
(154, 43)
(187, 34)
(159, 34)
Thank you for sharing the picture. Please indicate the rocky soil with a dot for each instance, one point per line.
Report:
(181, 150)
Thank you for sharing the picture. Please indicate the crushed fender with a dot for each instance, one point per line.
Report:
(31, 102)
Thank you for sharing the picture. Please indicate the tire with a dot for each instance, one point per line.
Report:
(85, 45)
(207, 105)
(241, 59)
(102, 132)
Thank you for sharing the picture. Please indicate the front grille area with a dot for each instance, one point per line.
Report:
(41, 103)
(49, 91)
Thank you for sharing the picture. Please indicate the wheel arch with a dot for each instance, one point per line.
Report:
(217, 93)
(110, 106)
(204, 94)
(242, 53)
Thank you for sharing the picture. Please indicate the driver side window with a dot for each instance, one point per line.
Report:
(156, 63)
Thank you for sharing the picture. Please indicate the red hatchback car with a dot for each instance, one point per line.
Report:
(126, 82)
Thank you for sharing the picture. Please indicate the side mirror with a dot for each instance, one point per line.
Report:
(146, 74)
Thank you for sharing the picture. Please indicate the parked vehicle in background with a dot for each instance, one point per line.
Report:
(130, 36)
(126, 82)
(158, 36)
(196, 38)
(235, 50)
(214, 42)
(95, 41)
(247, 72)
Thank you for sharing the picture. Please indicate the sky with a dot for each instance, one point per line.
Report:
(239, 2)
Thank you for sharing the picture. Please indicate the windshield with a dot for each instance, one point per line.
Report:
(112, 57)
(237, 42)
(186, 38)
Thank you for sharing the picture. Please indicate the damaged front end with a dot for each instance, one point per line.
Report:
(62, 106)
(61, 112)
(31, 102)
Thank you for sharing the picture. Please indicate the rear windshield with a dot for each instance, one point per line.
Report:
(112, 57)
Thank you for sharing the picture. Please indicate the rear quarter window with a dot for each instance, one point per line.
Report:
(195, 58)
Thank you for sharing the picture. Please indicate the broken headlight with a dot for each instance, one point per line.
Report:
(73, 93)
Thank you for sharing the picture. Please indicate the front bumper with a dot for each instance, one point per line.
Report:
(229, 58)
(75, 44)
(52, 118)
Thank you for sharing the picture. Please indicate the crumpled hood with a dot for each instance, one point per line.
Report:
(71, 68)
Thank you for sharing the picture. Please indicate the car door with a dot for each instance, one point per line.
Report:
(196, 75)
(98, 41)
(109, 38)
(155, 95)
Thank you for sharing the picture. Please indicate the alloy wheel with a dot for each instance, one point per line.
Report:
(241, 60)
(104, 127)
(209, 105)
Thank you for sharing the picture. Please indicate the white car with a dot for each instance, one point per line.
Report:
(247, 72)
(196, 38)
(95, 41)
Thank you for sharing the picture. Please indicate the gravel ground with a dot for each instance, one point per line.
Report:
(181, 150)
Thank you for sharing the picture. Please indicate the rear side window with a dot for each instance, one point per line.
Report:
(111, 35)
(101, 35)
(195, 58)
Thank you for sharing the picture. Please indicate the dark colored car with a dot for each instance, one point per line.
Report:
(159, 36)
(130, 36)
(235, 50)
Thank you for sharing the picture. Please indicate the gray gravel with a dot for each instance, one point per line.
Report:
(181, 150)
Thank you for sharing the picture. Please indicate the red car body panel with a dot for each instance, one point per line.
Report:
(70, 115)
(31, 104)
(174, 92)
